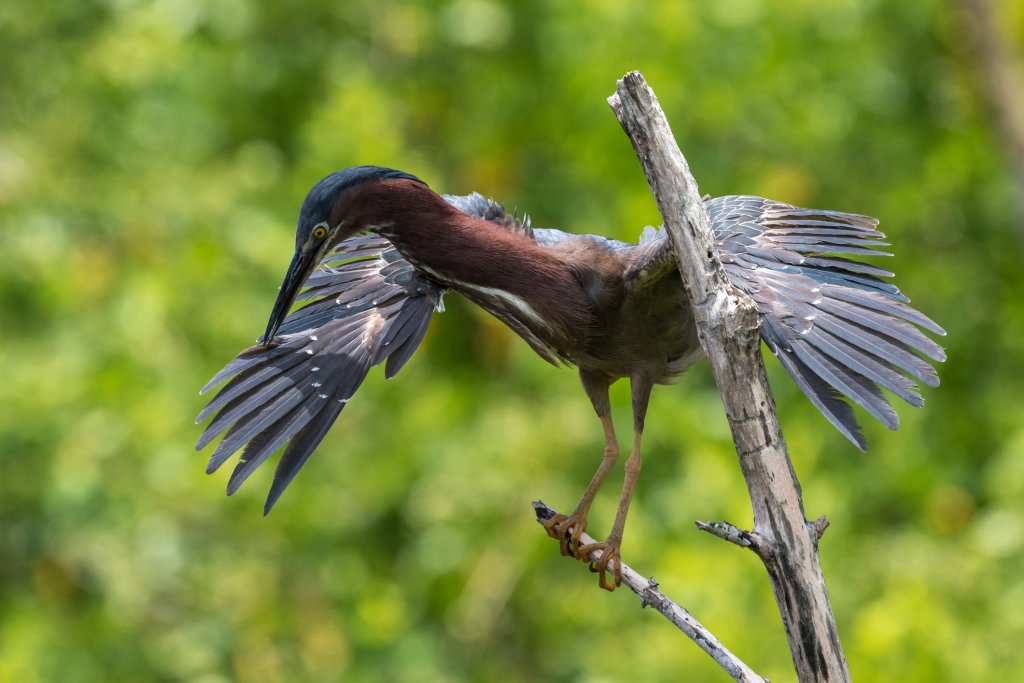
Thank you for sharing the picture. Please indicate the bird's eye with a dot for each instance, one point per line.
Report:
(319, 232)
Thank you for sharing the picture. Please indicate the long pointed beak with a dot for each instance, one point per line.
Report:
(298, 271)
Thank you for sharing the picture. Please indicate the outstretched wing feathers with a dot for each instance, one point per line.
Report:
(299, 451)
(266, 385)
(834, 324)
(822, 394)
(837, 327)
(244, 360)
(369, 305)
(895, 309)
(405, 344)
(846, 343)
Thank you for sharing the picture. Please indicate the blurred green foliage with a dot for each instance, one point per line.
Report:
(153, 156)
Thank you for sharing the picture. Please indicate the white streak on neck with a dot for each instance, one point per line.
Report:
(516, 302)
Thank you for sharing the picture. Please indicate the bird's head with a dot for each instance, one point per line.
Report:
(334, 209)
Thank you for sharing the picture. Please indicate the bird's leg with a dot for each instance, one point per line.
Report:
(571, 527)
(641, 389)
(568, 529)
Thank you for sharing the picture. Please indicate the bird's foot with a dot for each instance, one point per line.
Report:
(609, 556)
(567, 529)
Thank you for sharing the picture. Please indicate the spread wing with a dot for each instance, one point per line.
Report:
(369, 306)
(836, 326)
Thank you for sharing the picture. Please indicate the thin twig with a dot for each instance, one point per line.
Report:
(649, 593)
(818, 527)
(728, 532)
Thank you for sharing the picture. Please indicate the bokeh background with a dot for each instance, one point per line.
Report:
(153, 156)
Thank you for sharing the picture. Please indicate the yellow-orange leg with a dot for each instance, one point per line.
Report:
(571, 527)
(640, 385)
(610, 559)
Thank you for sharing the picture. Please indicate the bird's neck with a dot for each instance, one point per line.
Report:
(529, 288)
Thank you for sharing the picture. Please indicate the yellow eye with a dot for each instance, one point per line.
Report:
(319, 231)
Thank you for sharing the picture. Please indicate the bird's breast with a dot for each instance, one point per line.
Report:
(650, 330)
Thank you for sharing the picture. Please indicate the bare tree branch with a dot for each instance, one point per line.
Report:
(649, 593)
(727, 324)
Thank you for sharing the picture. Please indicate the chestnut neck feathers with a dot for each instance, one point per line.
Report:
(529, 288)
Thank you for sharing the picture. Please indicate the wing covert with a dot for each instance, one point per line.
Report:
(481, 207)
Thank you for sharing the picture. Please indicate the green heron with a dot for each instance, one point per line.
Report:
(375, 250)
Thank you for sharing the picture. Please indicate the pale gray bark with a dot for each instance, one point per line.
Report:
(727, 323)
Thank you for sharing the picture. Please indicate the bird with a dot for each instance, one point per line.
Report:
(376, 249)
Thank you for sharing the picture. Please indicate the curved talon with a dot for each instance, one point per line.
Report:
(552, 522)
(567, 529)
(609, 554)
(574, 528)
(558, 527)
